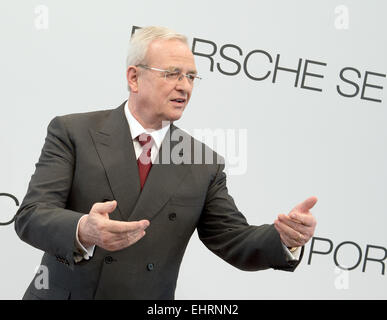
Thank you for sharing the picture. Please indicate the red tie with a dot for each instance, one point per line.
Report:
(144, 160)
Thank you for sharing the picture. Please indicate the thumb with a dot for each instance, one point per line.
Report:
(306, 205)
(104, 208)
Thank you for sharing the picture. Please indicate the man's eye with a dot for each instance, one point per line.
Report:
(172, 74)
(191, 77)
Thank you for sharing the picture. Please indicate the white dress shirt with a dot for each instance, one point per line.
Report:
(136, 129)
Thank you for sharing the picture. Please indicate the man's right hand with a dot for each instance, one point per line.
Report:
(97, 229)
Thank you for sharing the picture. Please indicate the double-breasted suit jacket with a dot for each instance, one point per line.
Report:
(89, 158)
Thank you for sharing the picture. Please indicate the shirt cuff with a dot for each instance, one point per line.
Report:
(292, 256)
(83, 253)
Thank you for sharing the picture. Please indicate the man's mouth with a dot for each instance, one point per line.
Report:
(179, 101)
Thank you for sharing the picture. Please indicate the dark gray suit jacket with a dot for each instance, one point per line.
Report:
(90, 158)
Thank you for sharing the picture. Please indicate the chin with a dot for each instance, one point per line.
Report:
(176, 115)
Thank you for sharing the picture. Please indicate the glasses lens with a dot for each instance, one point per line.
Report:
(172, 76)
(195, 80)
(177, 75)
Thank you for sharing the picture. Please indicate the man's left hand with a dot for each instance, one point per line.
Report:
(298, 226)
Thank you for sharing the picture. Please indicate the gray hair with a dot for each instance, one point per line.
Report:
(142, 38)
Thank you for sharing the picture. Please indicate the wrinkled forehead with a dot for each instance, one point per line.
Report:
(170, 54)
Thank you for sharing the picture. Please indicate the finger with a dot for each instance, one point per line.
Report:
(306, 205)
(104, 208)
(126, 241)
(295, 237)
(292, 223)
(287, 241)
(305, 230)
(305, 219)
(133, 237)
(108, 239)
(130, 236)
(287, 231)
(124, 226)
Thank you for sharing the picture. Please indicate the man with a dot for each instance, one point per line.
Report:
(105, 177)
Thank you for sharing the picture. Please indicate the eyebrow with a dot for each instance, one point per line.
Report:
(173, 68)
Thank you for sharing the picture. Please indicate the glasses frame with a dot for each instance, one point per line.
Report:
(166, 72)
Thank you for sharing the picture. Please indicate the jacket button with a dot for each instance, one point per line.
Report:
(150, 266)
(172, 216)
(108, 260)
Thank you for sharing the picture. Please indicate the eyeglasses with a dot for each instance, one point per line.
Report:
(174, 75)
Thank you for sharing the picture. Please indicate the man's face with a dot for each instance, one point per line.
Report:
(158, 98)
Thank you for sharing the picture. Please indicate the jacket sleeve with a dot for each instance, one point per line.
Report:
(225, 231)
(42, 220)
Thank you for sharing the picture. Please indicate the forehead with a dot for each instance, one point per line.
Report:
(170, 53)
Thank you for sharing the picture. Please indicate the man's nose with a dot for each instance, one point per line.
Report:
(183, 83)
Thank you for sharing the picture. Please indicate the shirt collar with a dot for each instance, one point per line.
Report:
(136, 128)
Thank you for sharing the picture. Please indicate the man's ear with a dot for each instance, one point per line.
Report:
(132, 78)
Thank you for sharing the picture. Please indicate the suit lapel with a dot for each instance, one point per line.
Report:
(116, 152)
(162, 181)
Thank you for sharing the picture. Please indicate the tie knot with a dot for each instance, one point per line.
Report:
(145, 140)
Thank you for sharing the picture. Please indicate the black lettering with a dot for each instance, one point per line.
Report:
(17, 204)
(348, 81)
(134, 28)
(206, 55)
(373, 259)
(246, 60)
(337, 249)
(365, 84)
(319, 252)
(229, 59)
(305, 73)
(296, 71)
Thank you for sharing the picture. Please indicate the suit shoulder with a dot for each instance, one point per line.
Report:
(85, 118)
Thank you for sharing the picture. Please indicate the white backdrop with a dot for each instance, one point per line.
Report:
(62, 57)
